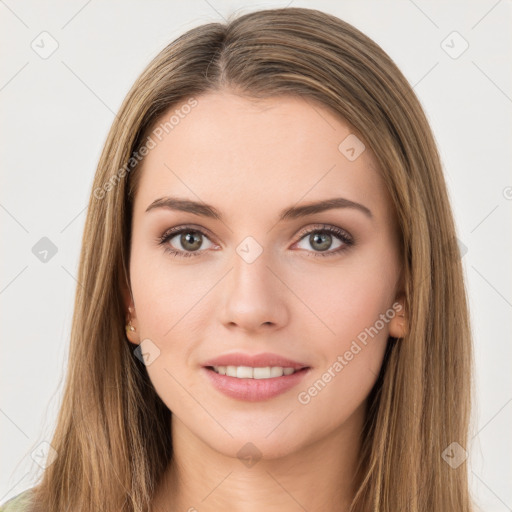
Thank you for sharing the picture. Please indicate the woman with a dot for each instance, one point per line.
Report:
(271, 311)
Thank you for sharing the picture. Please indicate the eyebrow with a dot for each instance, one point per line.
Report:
(293, 212)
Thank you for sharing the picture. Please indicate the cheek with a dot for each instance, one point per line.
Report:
(352, 303)
(170, 304)
(338, 392)
(347, 300)
(166, 295)
(350, 360)
(352, 357)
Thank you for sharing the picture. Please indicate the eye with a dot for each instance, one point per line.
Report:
(190, 239)
(321, 239)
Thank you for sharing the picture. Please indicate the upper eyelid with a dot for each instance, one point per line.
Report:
(172, 232)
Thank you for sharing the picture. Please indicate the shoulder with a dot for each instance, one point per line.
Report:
(18, 503)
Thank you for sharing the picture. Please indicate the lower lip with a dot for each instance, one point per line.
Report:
(254, 390)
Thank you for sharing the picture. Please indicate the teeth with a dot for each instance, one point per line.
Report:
(248, 372)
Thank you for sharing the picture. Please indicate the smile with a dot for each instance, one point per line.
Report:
(249, 372)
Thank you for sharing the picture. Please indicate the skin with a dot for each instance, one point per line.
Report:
(250, 160)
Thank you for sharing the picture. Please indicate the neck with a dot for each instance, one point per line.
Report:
(316, 477)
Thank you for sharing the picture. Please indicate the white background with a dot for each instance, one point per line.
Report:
(56, 113)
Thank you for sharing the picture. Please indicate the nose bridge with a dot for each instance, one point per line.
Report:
(250, 266)
(253, 294)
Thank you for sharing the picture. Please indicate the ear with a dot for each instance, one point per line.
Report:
(398, 326)
(131, 323)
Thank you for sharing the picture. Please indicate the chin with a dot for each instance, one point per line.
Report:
(250, 449)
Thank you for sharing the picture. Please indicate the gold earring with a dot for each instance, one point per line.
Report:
(129, 327)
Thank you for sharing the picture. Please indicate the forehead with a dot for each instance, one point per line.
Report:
(269, 152)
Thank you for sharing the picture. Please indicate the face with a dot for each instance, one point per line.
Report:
(319, 288)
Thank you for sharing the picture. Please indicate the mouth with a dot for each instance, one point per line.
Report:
(254, 377)
(257, 372)
(254, 383)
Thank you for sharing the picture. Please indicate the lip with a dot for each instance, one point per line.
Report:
(256, 360)
(254, 390)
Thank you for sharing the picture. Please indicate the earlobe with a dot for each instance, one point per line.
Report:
(398, 327)
(131, 318)
(131, 326)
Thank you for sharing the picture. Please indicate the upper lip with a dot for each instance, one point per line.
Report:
(255, 361)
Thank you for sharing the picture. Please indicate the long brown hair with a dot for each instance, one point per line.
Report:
(112, 435)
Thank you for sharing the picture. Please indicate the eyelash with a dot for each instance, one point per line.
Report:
(321, 228)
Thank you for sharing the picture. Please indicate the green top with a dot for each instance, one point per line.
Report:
(19, 503)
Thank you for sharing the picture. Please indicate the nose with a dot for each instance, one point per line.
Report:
(253, 297)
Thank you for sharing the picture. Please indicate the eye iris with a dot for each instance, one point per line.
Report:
(187, 238)
(323, 238)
